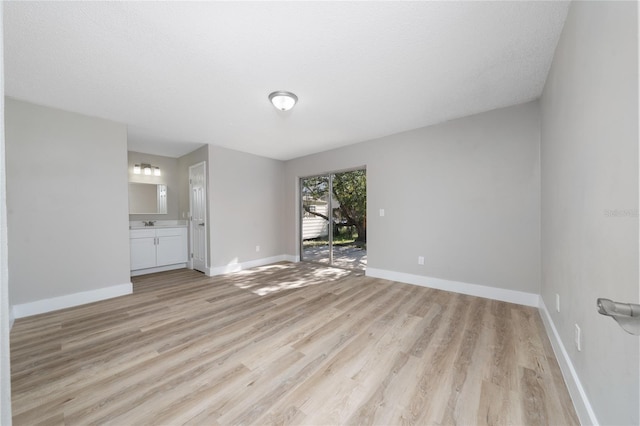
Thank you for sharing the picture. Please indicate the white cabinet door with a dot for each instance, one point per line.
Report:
(170, 250)
(143, 253)
(172, 246)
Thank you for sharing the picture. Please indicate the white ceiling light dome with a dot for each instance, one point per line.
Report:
(282, 100)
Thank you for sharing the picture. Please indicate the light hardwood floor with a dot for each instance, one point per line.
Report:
(286, 344)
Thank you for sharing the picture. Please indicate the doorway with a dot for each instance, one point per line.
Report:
(334, 219)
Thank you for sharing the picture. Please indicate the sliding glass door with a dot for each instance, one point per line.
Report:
(333, 219)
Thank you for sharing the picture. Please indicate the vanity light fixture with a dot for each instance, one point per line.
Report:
(282, 100)
(147, 169)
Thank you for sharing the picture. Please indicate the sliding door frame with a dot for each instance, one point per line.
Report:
(330, 211)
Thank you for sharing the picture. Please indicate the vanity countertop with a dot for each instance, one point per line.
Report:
(140, 224)
(156, 226)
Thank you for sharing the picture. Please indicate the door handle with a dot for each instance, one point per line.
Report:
(201, 224)
(627, 315)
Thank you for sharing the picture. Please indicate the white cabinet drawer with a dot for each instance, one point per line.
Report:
(142, 233)
(168, 232)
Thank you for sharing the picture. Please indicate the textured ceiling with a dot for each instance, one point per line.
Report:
(181, 74)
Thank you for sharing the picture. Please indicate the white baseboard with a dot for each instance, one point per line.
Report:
(505, 295)
(236, 267)
(585, 412)
(70, 300)
(158, 269)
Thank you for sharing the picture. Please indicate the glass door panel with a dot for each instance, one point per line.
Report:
(316, 219)
(350, 219)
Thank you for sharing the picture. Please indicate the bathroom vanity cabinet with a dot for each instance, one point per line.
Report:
(158, 249)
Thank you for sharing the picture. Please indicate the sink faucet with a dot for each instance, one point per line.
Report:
(149, 222)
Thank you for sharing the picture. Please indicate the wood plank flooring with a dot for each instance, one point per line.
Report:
(286, 344)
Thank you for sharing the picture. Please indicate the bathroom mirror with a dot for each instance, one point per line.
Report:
(147, 198)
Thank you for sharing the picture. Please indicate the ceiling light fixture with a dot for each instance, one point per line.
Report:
(284, 101)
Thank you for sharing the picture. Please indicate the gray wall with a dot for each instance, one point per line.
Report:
(464, 194)
(246, 206)
(589, 158)
(5, 368)
(170, 176)
(67, 202)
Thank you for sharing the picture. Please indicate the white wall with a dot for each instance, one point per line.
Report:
(464, 194)
(5, 368)
(170, 176)
(67, 203)
(590, 199)
(246, 207)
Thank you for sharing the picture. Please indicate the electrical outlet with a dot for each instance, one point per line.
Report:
(557, 302)
(381, 212)
(257, 248)
(577, 336)
(420, 260)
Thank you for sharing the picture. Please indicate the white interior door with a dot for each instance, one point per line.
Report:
(198, 206)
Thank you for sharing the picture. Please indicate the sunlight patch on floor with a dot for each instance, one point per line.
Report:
(300, 277)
